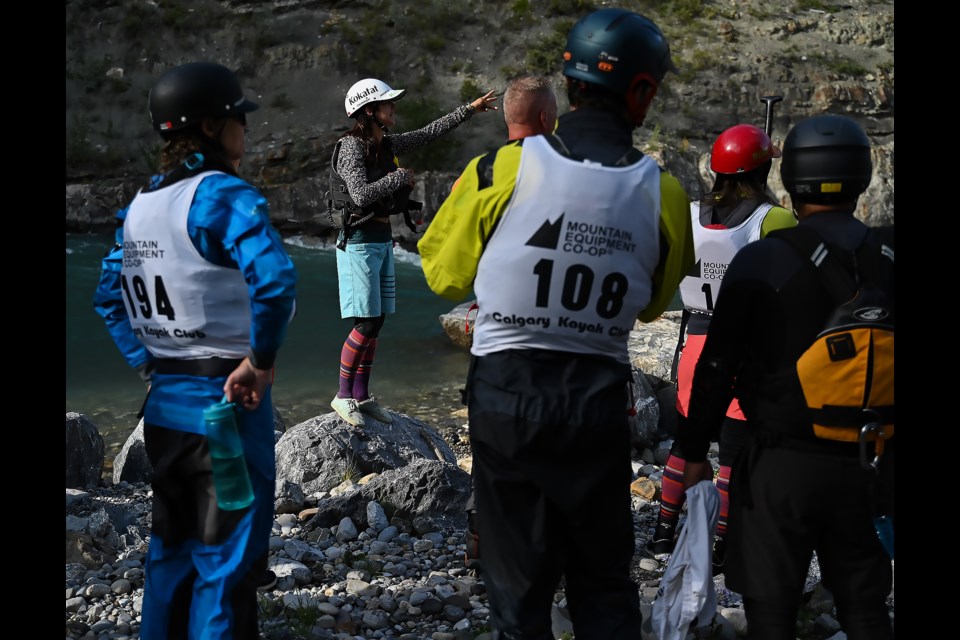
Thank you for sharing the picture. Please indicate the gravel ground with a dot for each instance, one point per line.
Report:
(373, 585)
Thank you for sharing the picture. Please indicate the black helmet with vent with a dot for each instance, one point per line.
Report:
(826, 160)
(188, 93)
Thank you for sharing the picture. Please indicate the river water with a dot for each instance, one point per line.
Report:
(418, 371)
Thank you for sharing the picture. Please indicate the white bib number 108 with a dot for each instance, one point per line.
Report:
(578, 288)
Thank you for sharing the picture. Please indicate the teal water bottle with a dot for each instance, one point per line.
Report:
(230, 476)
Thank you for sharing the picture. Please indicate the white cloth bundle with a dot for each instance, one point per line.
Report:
(687, 594)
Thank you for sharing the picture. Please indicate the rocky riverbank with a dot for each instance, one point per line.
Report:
(364, 576)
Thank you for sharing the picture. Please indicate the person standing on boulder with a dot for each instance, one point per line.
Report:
(792, 493)
(737, 210)
(367, 186)
(197, 294)
(574, 238)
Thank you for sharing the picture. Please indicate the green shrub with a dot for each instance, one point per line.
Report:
(546, 56)
(846, 67)
(435, 42)
(697, 61)
(282, 102)
(520, 10)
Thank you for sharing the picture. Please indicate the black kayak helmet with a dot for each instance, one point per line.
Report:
(617, 49)
(826, 160)
(190, 92)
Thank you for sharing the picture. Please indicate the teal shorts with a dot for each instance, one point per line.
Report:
(367, 277)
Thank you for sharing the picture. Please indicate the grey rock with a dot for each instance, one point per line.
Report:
(101, 626)
(288, 496)
(651, 345)
(320, 453)
(74, 496)
(132, 463)
(737, 618)
(285, 568)
(121, 586)
(376, 517)
(821, 600)
(388, 534)
(827, 623)
(431, 605)
(645, 423)
(84, 452)
(75, 604)
(376, 619)
(452, 613)
(97, 591)
(429, 492)
(346, 530)
(458, 325)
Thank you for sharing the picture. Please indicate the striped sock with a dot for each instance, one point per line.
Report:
(362, 380)
(672, 498)
(350, 358)
(723, 486)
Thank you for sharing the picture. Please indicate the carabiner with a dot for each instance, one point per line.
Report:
(873, 427)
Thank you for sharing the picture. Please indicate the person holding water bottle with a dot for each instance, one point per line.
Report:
(197, 293)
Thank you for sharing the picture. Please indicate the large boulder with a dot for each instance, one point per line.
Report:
(430, 494)
(85, 452)
(319, 454)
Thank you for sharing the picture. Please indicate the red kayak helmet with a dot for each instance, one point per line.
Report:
(742, 148)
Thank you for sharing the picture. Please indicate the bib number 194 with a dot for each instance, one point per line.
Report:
(143, 304)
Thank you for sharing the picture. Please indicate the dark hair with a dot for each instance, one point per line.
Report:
(363, 129)
(586, 94)
(183, 143)
(730, 188)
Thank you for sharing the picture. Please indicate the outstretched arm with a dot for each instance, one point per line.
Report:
(403, 142)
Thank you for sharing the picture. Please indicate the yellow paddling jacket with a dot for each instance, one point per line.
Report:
(459, 233)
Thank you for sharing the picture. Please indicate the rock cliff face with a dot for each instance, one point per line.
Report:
(298, 58)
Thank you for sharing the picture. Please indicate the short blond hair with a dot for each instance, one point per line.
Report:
(525, 97)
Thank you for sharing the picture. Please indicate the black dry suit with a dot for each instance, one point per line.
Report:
(344, 213)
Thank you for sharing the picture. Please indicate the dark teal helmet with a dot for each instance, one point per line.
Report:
(616, 49)
(826, 160)
(188, 93)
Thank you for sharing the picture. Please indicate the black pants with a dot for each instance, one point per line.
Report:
(784, 505)
(184, 510)
(551, 463)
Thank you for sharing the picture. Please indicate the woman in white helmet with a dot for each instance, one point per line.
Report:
(367, 187)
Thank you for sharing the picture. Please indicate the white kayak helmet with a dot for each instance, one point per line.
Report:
(366, 91)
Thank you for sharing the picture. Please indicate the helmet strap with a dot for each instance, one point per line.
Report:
(374, 118)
